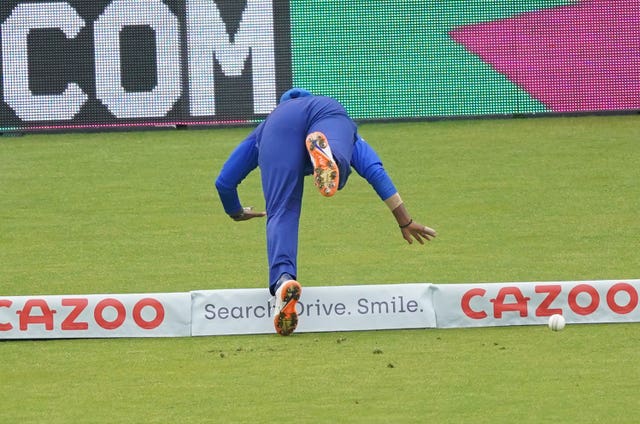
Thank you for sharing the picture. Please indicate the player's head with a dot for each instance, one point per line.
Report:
(294, 93)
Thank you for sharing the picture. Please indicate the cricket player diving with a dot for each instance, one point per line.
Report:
(304, 135)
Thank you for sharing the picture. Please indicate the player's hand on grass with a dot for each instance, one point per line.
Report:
(411, 229)
(247, 213)
(417, 231)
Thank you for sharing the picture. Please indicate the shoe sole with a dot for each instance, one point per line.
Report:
(286, 320)
(325, 171)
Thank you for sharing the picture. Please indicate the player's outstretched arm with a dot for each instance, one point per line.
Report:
(410, 229)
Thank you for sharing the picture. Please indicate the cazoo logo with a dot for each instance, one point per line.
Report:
(79, 314)
(544, 300)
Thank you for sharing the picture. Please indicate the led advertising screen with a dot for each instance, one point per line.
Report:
(411, 58)
(110, 63)
(80, 64)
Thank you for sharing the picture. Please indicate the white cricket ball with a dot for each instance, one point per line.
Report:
(556, 322)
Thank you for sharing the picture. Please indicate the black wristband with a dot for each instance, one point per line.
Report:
(407, 224)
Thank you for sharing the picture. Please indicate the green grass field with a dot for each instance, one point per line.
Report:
(544, 199)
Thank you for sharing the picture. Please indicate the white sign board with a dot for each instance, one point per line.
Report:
(341, 308)
(502, 304)
(88, 316)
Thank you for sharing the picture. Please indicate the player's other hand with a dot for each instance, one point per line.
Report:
(247, 213)
(417, 231)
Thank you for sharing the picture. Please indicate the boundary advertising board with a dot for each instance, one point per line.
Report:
(321, 309)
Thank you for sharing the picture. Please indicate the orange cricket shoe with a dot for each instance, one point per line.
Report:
(325, 170)
(286, 316)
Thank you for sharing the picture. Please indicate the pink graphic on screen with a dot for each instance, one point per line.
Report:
(581, 57)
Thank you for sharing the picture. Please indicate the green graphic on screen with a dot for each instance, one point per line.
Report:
(395, 59)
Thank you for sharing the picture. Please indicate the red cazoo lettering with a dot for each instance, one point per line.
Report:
(511, 299)
(553, 291)
(633, 298)
(519, 305)
(69, 322)
(40, 312)
(5, 326)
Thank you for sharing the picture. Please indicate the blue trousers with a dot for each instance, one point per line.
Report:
(284, 161)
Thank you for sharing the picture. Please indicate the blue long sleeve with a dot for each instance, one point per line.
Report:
(240, 163)
(244, 159)
(368, 165)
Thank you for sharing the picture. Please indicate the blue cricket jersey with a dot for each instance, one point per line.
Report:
(244, 159)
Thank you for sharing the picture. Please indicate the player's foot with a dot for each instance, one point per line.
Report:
(325, 170)
(285, 314)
